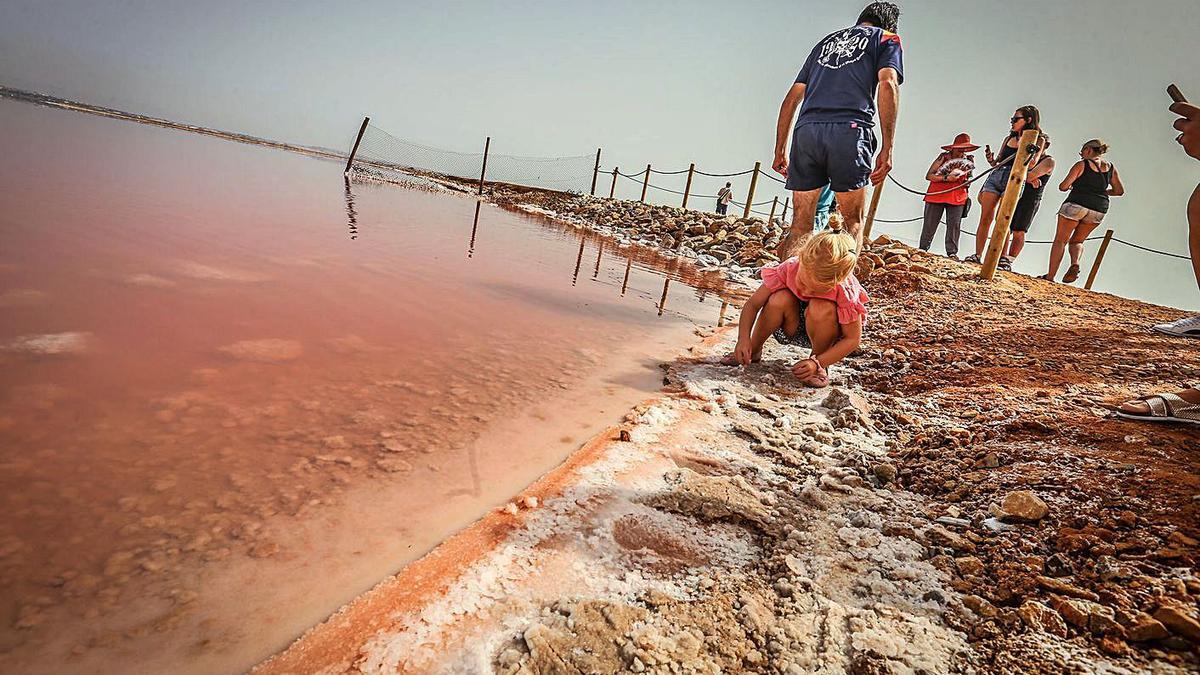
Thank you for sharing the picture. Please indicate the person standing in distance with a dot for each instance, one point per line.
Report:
(834, 138)
(724, 196)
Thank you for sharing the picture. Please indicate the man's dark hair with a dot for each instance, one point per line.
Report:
(885, 15)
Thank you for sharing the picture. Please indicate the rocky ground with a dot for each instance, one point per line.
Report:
(962, 500)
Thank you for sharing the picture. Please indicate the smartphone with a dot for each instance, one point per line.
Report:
(1175, 94)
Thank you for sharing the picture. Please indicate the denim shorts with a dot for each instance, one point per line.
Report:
(1073, 211)
(838, 153)
(996, 180)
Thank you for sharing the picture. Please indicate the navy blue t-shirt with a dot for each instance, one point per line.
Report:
(842, 74)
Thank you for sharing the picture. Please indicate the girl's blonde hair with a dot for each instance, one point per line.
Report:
(828, 258)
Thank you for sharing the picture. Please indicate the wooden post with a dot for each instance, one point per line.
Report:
(875, 195)
(357, 140)
(783, 216)
(753, 183)
(487, 145)
(774, 203)
(612, 190)
(687, 190)
(645, 183)
(1099, 259)
(596, 172)
(1008, 203)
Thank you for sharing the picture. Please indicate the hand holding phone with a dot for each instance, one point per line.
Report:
(1188, 123)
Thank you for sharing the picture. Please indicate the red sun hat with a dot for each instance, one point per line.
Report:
(961, 142)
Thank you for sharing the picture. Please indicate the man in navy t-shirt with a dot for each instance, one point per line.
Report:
(834, 138)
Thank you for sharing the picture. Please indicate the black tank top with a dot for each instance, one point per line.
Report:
(1090, 190)
(1005, 153)
(1034, 194)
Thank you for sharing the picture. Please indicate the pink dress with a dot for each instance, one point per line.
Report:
(849, 295)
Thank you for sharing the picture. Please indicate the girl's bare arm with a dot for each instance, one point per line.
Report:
(1072, 176)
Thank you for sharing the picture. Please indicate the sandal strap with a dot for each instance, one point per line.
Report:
(1158, 406)
(1179, 408)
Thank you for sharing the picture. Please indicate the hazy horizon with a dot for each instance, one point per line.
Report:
(666, 84)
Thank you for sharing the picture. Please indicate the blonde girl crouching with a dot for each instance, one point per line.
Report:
(811, 300)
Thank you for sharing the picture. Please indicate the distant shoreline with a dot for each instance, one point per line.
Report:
(67, 104)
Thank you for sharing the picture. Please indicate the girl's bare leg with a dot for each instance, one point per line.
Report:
(820, 320)
(1076, 244)
(1018, 245)
(782, 310)
(1065, 227)
(987, 213)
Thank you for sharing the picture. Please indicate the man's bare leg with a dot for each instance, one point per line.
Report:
(804, 209)
(851, 205)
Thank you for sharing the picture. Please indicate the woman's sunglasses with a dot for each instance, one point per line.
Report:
(1017, 118)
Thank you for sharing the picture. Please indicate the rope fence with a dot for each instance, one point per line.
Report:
(375, 149)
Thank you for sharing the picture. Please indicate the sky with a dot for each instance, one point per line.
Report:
(665, 83)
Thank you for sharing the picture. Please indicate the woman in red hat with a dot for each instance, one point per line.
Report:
(948, 177)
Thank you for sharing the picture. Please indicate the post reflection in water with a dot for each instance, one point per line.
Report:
(625, 281)
(351, 216)
(599, 253)
(474, 227)
(721, 316)
(662, 302)
(578, 260)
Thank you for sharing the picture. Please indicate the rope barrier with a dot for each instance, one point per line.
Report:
(904, 187)
(724, 175)
(1151, 250)
(668, 173)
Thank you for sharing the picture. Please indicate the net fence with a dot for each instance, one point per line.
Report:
(381, 151)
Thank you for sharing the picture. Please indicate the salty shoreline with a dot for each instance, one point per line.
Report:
(842, 508)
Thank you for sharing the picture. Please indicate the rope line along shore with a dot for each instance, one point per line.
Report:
(382, 150)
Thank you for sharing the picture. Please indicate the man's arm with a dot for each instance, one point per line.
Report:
(787, 113)
(888, 96)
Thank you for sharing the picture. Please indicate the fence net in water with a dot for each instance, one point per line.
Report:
(382, 151)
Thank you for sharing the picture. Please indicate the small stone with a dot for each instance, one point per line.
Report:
(1062, 587)
(530, 502)
(1179, 622)
(1024, 505)
(940, 536)
(1145, 629)
(1058, 565)
(1037, 616)
(886, 473)
(969, 565)
(996, 525)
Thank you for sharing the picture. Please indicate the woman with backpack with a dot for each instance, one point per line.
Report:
(1090, 184)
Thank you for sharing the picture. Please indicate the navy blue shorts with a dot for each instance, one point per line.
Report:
(838, 153)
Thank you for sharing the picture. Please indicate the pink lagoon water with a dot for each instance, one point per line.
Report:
(236, 392)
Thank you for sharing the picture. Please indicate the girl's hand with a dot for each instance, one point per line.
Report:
(743, 353)
(805, 369)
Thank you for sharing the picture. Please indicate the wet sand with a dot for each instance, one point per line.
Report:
(236, 393)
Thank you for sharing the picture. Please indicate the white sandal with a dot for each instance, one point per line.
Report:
(1166, 408)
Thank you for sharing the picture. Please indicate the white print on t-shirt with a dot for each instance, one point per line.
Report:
(844, 48)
